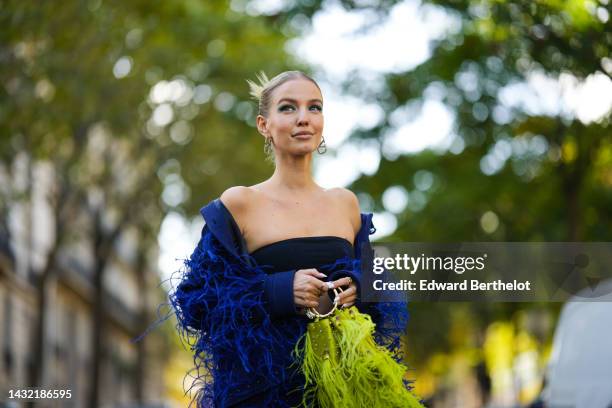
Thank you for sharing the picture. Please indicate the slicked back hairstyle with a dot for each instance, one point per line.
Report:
(262, 91)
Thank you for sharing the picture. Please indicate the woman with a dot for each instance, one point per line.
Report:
(267, 253)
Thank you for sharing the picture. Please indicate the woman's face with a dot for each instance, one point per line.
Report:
(295, 118)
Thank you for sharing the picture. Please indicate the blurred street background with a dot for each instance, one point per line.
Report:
(452, 121)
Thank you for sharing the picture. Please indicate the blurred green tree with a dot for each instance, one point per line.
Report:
(140, 107)
(537, 172)
(512, 172)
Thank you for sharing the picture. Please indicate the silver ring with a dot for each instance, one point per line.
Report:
(330, 285)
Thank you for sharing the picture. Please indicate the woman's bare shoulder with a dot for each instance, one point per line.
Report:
(349, 203)
(237, 199)
(345, 196)
(343, 193)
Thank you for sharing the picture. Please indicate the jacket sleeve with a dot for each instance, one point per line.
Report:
(278, 294)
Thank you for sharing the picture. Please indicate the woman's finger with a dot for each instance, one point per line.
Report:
(306, 295)
(312, 272)
(313, 303)
(343, 282)
(315, 286)
(349, 295)
(352, 290)
(347, 299)
(307, 301)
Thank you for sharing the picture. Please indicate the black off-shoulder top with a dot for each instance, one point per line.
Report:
(302, 253)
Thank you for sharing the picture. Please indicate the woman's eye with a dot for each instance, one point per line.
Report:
(285, 107)
(317, 107)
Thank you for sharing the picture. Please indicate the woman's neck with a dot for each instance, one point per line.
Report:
(294, 174)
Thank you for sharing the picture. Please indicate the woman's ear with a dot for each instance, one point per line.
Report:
(262, 126)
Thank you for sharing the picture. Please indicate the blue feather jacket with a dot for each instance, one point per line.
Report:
(242, 323)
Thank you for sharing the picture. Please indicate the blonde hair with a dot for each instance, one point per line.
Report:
(262, 91)
(256, 90)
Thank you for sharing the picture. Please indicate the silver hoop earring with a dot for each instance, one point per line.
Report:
(322, 147)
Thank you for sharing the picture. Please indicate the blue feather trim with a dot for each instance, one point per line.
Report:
(222, 316)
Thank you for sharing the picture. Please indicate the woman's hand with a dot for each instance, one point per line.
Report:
(348, 296)
(309, 290)
(307, 287)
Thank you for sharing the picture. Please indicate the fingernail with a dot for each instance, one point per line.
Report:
(321, 273)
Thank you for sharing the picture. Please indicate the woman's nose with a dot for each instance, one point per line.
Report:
(302, 115)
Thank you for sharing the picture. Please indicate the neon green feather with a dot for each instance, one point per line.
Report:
(344, 367)
(320, 365)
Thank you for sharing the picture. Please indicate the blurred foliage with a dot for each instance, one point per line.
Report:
(65, 69)
(511, 173)
(555, 181)
(138, 108)
(533, 194)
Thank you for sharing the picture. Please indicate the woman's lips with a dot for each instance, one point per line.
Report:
(303, 135)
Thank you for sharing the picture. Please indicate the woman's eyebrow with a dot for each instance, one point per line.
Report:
(294, 101)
